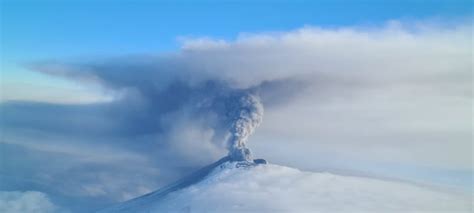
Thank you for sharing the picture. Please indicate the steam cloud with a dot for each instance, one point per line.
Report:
(245, 114)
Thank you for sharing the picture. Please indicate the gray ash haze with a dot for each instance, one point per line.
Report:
(391, 101)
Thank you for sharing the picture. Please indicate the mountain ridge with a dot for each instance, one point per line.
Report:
(242, 186)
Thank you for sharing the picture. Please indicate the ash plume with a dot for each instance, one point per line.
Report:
(244, 113)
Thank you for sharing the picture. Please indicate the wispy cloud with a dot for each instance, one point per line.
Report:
(27, 202)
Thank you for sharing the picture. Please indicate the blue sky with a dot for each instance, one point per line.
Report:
(46, 29)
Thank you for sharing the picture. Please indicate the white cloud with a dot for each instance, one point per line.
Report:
(26, 202)
(397, 56)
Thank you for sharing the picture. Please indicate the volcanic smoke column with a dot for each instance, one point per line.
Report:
(244, 113)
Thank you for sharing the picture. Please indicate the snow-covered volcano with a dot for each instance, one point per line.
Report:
(227, 186)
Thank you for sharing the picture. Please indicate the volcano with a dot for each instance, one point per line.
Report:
(243, 186)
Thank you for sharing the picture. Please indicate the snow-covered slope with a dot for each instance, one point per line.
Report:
(242, 187)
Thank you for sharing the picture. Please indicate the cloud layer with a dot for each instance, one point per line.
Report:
(392, 98)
